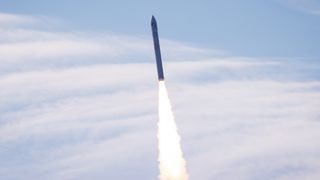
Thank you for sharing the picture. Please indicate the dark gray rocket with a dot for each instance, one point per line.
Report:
(156, 44)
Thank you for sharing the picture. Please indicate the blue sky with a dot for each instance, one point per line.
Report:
(276, 28)
(78, 88)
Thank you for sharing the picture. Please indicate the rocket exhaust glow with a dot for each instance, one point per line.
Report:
(171, 162)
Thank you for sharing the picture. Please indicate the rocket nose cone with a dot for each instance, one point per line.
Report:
(153, 20)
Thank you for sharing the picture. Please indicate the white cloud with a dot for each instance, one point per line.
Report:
(33, 49)
(83, 106)
(7, 19)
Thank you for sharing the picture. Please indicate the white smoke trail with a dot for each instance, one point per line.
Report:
(171, 162)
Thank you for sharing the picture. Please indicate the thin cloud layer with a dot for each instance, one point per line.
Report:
(83, 106)
(13, 19)
(30, 49)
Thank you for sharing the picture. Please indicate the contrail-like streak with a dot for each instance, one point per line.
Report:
(171, 162)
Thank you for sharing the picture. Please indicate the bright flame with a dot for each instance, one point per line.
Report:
(171, 162)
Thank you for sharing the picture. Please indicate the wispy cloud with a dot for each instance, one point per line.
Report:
(79, 105)
(7, 19)
(31, 49)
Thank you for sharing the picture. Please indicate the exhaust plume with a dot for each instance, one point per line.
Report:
(171, 162)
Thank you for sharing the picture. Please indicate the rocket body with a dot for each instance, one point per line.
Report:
(156, 44)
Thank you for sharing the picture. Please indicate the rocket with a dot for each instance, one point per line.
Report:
(156, 44)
